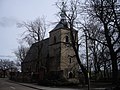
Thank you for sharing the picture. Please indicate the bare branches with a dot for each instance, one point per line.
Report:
(6, 64)
(21, 53)
(35, 30)
(106, 13)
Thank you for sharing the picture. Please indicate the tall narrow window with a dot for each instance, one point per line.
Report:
(69, 60)
(67, 39)
(54, 39)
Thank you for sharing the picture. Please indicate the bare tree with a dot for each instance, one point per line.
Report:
(106, 12)
(21, 53)
(35, 33)
(7, 66)
(35, 30)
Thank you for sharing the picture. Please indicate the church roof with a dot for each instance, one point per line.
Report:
(61, 25)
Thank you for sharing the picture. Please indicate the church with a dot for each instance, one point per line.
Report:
(55, 57)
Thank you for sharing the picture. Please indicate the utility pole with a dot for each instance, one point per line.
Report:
(87, 61)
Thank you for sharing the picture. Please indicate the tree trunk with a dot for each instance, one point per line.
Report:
(113, 56)
(114, 67)
(104, 69)
(82, 67)
(75, 48)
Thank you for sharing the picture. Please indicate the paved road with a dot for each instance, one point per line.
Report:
(6, 85)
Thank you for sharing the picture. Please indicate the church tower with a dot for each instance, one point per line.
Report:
(61, 54)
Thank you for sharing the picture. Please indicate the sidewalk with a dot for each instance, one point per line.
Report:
(38, 87)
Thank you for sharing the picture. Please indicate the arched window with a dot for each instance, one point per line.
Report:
(70, 75)
(67, 39)
(54, 39)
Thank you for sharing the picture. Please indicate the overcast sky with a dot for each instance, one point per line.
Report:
(14, 11)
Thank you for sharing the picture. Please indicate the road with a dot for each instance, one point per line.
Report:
(7, 85)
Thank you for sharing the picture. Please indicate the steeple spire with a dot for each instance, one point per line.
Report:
(63, 11)
(63, 22)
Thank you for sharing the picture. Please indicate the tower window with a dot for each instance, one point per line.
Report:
(67, 39)
(54, 39)
(69, 60)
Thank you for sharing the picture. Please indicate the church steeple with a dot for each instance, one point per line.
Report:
(63, 22)
(63, 11)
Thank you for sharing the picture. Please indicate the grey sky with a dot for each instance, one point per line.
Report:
(13, 11)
